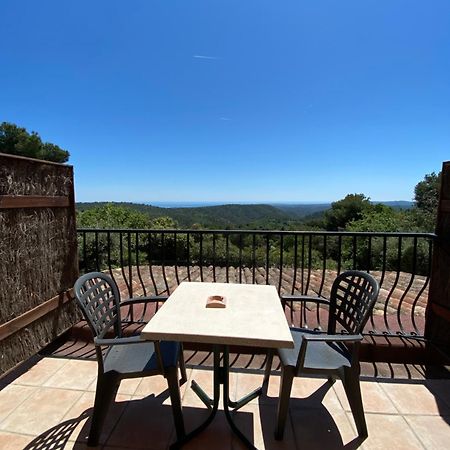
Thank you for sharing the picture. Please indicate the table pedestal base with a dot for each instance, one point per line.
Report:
(221, 376)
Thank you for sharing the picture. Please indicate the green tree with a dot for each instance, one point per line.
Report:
(426, 192)
(18, 141)
(106, 249)
(164, 223)
(426, 197)
(345, 211)
(379, 218)
(112, 216)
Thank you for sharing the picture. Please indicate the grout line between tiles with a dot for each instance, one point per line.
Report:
(414, 433)
(26, 397)
(389, 397)
(107, 438)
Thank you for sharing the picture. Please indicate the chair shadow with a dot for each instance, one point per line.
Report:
(57, 437)
(312, 424)
(147, 408)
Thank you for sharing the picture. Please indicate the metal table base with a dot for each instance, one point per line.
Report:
(221, 376)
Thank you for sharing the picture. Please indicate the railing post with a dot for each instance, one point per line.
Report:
(437, 325)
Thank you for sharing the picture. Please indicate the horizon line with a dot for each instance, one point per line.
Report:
(235, 202)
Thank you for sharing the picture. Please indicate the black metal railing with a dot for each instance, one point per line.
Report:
(154, 262)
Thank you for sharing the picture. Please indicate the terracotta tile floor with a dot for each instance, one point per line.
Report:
(48, 407)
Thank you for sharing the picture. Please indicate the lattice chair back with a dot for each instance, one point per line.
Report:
(99, 299)
(353, 296)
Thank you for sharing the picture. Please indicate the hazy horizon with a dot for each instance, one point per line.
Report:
(188, 204)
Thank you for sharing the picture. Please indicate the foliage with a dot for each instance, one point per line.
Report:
(344, 211)
(384, 252)
(426, 192)
(163, 223)
(106, 249)
(214, 217)
(112, 216)
(426, 196)
(354, 213)
(18, 141)
(378, 218)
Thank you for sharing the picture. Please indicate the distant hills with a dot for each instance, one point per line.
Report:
(223, 216)
(398, 204)
(304, 209)
(256, 216)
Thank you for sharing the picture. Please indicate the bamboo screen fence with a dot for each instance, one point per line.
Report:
(38, 256)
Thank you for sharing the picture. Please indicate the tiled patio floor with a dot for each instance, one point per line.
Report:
(48, 407)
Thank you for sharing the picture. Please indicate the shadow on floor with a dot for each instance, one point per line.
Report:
(313, 425)
(57, 437)
(140, 423)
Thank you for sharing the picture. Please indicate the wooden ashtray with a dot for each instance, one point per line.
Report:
(216, 301)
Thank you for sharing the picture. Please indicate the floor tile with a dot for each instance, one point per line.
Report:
(75, 374)
(12, 441)
(80, 414)
(156, 386)
(129, 386)
(433, 431)
(11, 398)
(245, 383)
(43, 410)
(38, 374)
(319, 429)
(145, 423)
(257, 423)
(373, 396)
(205, 380)
(216, 436)
(52, 403)
(440, 388)
(389, 431)
(414, 398)
(308, 393)
(72, 445)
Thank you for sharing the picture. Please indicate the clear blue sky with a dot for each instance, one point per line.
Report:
(233, 100)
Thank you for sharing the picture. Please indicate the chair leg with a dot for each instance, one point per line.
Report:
(268, 367)
(182, 365)
(287, 376)
(175, 398)
(104, 395)
(353, 391)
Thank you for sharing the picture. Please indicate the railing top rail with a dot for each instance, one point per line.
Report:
(261, 232)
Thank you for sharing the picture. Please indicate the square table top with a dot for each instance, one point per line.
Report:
(253, 316)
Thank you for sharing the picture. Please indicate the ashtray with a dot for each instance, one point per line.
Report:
(216, 301)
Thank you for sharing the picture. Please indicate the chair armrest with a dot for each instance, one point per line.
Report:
(332, 337)
(118, 341)
(303, 298)
(151, 299)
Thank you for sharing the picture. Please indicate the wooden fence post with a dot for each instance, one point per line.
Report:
(437, 326)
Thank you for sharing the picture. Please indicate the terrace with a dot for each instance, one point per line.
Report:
(48, 360)
(49, 406)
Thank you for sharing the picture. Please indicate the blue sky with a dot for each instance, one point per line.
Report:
(233, 100)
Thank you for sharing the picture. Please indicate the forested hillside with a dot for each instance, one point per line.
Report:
(303, 210)
(223, 216)
(355, 212)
